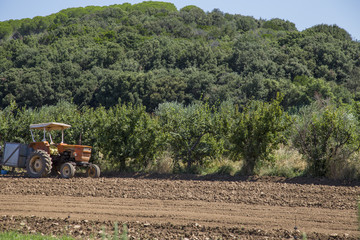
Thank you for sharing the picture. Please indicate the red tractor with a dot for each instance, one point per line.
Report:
(42, 158)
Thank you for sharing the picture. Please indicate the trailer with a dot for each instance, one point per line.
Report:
(14, 155)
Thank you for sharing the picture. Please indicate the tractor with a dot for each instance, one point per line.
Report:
(44, 157)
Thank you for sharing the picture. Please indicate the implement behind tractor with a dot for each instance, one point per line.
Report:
(42, 158)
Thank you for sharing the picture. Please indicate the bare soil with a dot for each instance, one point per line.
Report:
(180, 207)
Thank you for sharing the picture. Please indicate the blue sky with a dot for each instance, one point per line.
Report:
(304, 13)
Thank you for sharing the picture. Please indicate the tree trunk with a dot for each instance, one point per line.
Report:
(248, 167)
(189, 159)
(122, 165)
(189, 162)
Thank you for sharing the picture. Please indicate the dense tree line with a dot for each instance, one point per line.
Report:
(151, 53)
(127, 138)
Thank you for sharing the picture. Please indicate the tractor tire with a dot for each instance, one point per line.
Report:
(67, 170)
(93, 171)
(38, 164)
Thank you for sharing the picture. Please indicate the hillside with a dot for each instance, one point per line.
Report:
(152, 53)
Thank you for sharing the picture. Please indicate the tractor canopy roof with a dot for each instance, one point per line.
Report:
(50, 126)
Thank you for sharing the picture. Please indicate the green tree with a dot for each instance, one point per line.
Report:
(279, 24)
(190, 131)
(5, 30)
(127, 134)
(193, 14)
(327, 136)
(151, 53)
(332, 30)
(257, 132)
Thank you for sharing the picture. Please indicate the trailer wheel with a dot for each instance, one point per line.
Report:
(67, 170)
(93, 171)
(38, 164)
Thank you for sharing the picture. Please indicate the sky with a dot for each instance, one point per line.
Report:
(304, 13)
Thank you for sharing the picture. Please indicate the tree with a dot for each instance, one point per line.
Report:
(188, 129)
(245, 23)
(5, 29)
(332, 30)
(327, 136)
(127, 133)
(257, 132)
(193, 14)
(279, 24)
(151, 53)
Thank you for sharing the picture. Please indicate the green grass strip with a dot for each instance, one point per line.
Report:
(20, 236)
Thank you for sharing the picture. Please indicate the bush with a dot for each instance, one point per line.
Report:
(327, 136)
(226, 170)
(164, 164)
(257, 132)
(127, 133)
(288, 163)
(190, 132)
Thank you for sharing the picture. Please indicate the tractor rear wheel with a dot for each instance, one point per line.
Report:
(93, 171)
(67, 170)
(38, 164)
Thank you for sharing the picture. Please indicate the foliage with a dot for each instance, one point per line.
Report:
(153, 5)
(124, 234)
(327, 136)
(257, 132)
(198, 136)
(191, 68)
(152, 53)
(127, 132)
(226, 170)
(287, 162)
(333, 30)
(19, 236)
(278, 24)
(190, 131)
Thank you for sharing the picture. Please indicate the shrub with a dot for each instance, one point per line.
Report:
(327, 136)
(288, 162)
(190, 132)
(226, 170)
(127, 132)
(164, 164)
(257, 132)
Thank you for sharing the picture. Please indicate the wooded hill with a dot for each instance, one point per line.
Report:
(151, 53)
(153, 88)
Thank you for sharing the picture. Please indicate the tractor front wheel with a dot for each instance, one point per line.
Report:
(38, 164)
(93, 171)
(67, 170)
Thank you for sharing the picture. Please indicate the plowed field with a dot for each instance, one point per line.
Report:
(180, 207)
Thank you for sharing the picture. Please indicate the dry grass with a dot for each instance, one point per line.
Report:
(163, 164)
(288, 162)
(345, 168)
(225, 166)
